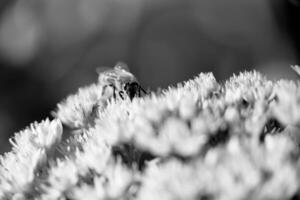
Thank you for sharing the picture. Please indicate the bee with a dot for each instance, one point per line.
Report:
(121, 81)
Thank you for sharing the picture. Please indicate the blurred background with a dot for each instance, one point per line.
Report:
(49, 48)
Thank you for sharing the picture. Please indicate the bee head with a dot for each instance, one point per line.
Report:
(131, 89)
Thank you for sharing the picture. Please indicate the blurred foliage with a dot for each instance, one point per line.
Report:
(50, 48)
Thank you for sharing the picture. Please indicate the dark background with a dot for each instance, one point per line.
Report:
(49, 48)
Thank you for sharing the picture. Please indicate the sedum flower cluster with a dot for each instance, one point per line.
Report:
(198, 140)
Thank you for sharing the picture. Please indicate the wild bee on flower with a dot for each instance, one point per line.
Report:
(121, 81)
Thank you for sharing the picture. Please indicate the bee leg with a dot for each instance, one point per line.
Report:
(143, 90)
(121, 93)
(104, 89)
(114, 90)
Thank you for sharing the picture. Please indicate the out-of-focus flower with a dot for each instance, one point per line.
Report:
(232, 115)
(119, 179)
(187, 108)
(282, 184)
(279, 150)
(235, 169)
(174, 180)
(176, 134)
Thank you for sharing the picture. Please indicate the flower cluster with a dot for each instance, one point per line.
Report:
(23, 166)
(198, 140)
(79, 110)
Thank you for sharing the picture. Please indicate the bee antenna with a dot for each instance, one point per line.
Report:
(102, 69)
(296, 68)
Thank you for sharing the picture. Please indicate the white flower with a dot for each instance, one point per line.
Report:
(47, 134)
(176, 134)
(86, 191)
(80, 110)
(248, 86)
(237, 174)
(287, 106)
(278, 150)
(30, 149)
(113, 182)
(232, 115)
(175, 180)
(282, 184)
(119, 179)
(62, 178)
(187, 108)
(95, 156)
(17, 171)
(207, 140)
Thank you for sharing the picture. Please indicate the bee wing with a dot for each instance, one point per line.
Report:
(122, 66)
(102, 69)
(296, 68)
